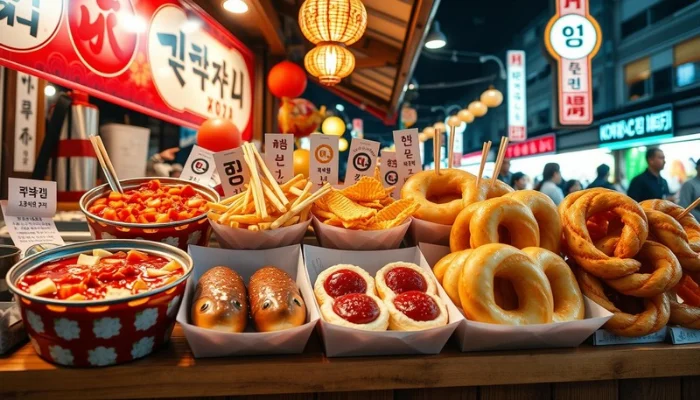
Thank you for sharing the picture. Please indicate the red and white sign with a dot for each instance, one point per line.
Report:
(573, 38)
(517, 96)
(164, 58)
(533, 147)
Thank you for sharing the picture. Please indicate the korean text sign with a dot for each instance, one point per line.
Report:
(362, 159)
(652, 122)
(517, 95)
(539, 145)
(279, 154)
(164, 58)
(323, 166)
(407, 154)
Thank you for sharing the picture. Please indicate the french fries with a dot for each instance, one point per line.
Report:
(265, 204)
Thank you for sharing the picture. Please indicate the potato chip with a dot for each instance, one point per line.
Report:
(346, 209)
(360, 224)
(335, 221)
(366, 189)
(376, 226)
(376, 204)
(322, 214)
(397, 211)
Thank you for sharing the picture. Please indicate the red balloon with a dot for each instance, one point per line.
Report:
(218, 134)
(286, 79)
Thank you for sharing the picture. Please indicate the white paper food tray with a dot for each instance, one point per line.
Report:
(243, 239)
(334, 237)
(211, 343)
(429, 232)
(340, 341)
(479, 336)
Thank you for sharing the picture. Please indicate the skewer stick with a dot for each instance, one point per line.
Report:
(451, 150)
(499, 160)
(438, 150)
(484, 153)
(688, 209)
(106, 164)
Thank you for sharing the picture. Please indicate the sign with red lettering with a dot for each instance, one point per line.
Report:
(517, 95)
(533, 147)
(164, 58)
(573, 38)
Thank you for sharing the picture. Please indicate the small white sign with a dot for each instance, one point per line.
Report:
(408, 154)
(25, 122)
(279, 155)
(362, 159)
(199, 167)
(31, 198)
(389, 172)
(232, 169)
(517, 96)
(324, 160)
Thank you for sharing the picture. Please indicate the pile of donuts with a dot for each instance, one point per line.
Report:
(402, 297)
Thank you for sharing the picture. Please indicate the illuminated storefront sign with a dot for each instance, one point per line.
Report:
(517, 95)
(638, 126)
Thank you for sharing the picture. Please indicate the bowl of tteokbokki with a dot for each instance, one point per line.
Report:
(167, 210)
(100, 302)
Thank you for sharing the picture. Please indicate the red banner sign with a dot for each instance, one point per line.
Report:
(164, 58)
(533, 147)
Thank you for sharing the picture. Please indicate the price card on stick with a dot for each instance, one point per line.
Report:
(324, 160)
(408, 155)
(199, 167)
(232, 170)
(279, 155)
(362, 159)
(389, 172)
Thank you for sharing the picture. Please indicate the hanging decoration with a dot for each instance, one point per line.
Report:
(343, 144)
(440, 126)
(333, 126)
(299, 117)
(286, 79)
(329, 63)
(218, 134)
(429, 132)
(466, 116)
(477, 108)
(454, 121)
(301, 162)
(492, 97)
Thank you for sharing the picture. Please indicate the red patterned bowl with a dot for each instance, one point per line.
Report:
(97, 333)
(178, 233)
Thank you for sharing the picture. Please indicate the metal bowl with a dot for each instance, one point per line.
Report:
(100, 332)
(177, 233)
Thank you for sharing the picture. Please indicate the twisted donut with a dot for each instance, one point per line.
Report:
(683, 314)
(546, 215)
(667, 273)
(476, 286)
(689, 223)
(428, 184)
(670, 233)
(568, 301)
(580, 246)
(479, 223)
(654, 317)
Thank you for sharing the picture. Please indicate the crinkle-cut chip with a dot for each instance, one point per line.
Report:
(400, 210)
(335, 221)
(322, 214)
(346, 209)
(388, 200)
(376, 226)
(366, 189)
(389, 190)
(360, 224)
(376, 204)
(321, 204)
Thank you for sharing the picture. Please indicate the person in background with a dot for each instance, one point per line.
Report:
(504, 174)
(572, 186)
(551, 178)
(601, 181)
(158, 164)
(649, 184)
(691, 191)
(518, 181)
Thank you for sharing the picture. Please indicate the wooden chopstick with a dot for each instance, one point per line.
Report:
(688, 209)
(499, 160)
(106, 164)
(450, 151)
(485, 149)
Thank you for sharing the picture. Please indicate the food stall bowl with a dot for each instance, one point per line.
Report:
(96, 333)
(177, 233)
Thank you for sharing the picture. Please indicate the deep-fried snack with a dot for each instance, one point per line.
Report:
(666, 230)
(546, 215)
(688, 222)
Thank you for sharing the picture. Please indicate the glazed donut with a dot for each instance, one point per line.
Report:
(453, 274)
(683, 314)
(428, 184)
(485, 191)
(479, 224)
(415, 311)
(399, 277)
(546, 215)
(340, 280)
(669, 232)
(654, 317)
(667, 273)
(688, 222)
(579, 243)
(476, 286)
(442, 266)
(568, 301)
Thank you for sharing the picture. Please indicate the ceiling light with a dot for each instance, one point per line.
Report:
(436, 39)
(236, 6)
(49, 90)
(340, 107)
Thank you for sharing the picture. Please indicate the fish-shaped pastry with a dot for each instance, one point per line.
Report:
(220, 301)
(275, 301)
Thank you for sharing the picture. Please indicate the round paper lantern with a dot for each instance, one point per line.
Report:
(440, 126)
(299, 117)
(286, 79)
(218, 134)
(477, 108)
(492, 97)
(429, 132)
(342, 21)
(301, 162)
(454, 121)
(422, 137)
(329, 63)
(465, 116)
(343, 144)
(334, 126)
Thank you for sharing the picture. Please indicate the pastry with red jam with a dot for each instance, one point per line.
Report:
(340, 280)
(399, 277)
(357, 310)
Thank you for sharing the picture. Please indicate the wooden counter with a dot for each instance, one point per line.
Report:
(542, 374)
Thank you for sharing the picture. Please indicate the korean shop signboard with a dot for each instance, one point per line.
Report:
(164, 58)
(637, 128)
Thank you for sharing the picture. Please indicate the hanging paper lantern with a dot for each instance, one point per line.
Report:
(299, 117)
(422, 137)
(333, 126)
(465, 116)
(454, 121)
(492, 97)
(286, 79)
(218, 134)
(440, 126)
(342, 21)
(429, 132)
(342, 144)
(329, 63)
(477, 108)
(301, 162)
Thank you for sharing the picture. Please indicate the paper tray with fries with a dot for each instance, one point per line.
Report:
(478, 336)
(211, 343)
(340, 341)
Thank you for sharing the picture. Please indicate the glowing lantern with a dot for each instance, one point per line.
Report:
(454, 121)
(492, 97)
(477, 108)
(465, 116)
(341, 21)
(329, 63)
(342, 144)
(333, 126)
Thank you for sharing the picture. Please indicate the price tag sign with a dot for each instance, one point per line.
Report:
(680, 335)
(232, 170)
(605, 338)
(362, 159)
(199, 166)
(279, 155)
(389, 170)
(408, 154)
(324, 160)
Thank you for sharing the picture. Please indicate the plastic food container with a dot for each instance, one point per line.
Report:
(177, 233)
(97, 333)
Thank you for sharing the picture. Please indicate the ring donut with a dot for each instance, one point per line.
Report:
(655, 316)
(568, 301)
(442, 265)
(670, 233)
(546, 215)
(428, 184)
(485, 191)
(579, 243)
(476, 286)
(666, 273)
(688, 222)
(479, 224)
(451, 266)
